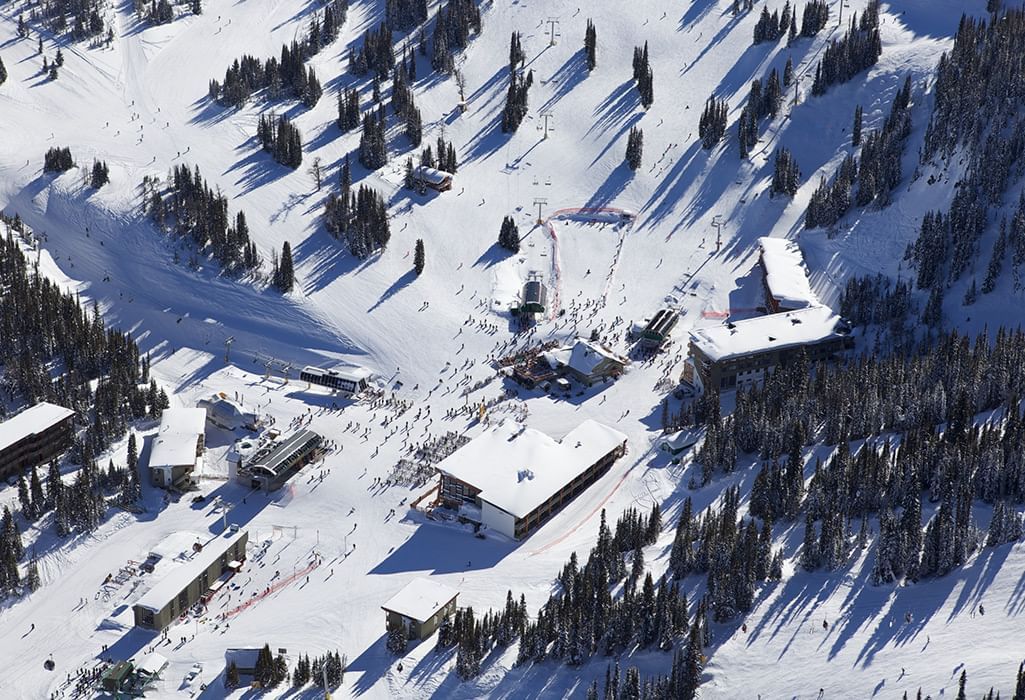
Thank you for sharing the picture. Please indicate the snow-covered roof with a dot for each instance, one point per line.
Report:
(175, 443)
(30, 422)
(420, 599)
(583, 356)
(220, 408)
(349, 372)
(766, 333)
(152, 664)
(432, 175)
(176, 545)
(517, 468)
(276, 455)
(175, 581)
(681, 439)
(785, 273)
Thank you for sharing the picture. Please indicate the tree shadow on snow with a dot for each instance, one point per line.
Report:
(258, 169)
(565, 78)
(492, 256)
(489, 86)
(322, 259)
(613, 186)
(397, 286)
(207, 112)
(615, 108)
(694, 13)
(486, 142)
(713, 41)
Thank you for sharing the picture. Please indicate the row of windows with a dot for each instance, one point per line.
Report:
(333, 382)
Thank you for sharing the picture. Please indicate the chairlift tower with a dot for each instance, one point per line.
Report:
(548, 117)
(540, 202)
(553, 33)
(718, 231)
(227, 348)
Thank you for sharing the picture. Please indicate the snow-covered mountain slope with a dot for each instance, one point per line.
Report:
(141, 104)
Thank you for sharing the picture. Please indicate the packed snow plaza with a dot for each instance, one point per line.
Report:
(512, 479)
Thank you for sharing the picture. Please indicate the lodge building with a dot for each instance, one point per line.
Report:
(188, 583)
(34, 437)
(743, 352)
(511, 479)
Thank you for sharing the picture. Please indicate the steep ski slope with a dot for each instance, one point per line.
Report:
(152, 84)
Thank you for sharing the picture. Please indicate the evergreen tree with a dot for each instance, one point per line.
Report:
(373, 147)
(856, 129)
(516, 101)
(516, 54)
(397, 640)
(634, 147)
(712, 124)
(509, 235)
(418, 256)
(810, 549)
(32, 580)
(58, 159)
(100, 174)
(785, 176)
(590, 46)
(284, 280)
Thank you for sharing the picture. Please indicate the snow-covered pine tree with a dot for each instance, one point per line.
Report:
(634, 147)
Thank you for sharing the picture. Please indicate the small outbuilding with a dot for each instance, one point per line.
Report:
(178, 447)
(586, 361)
(273, 460)
(535, 295)
(420, 607)
(151, 666)
(118, 677)
(227, 414)
(656, 331)
(432, 178)
(679, 442)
